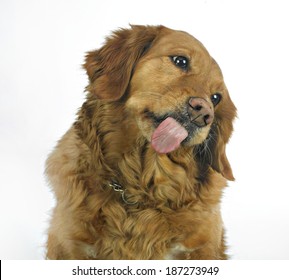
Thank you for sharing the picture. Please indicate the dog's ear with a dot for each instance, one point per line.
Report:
(219, 161)
(110, 68)
(213, 153)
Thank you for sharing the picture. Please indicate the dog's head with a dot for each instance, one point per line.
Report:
(172, 86)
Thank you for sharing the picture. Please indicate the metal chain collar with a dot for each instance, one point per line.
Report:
(118, 188)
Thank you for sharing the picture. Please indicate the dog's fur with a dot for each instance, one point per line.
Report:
(164, 205)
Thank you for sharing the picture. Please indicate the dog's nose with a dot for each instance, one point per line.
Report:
(200, 111)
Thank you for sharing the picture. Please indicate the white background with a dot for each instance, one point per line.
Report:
(42, 47)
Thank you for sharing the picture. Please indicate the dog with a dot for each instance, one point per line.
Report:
(140, 173)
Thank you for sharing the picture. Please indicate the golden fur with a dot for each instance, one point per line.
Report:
(171, 205)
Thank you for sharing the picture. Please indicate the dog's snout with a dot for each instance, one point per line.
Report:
(200, 111)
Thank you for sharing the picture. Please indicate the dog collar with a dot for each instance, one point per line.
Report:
(118, 188)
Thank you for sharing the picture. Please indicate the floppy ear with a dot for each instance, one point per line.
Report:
(110, 68)
(220, 161)
(213, 153)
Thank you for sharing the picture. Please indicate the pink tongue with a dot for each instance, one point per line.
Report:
(168, 136)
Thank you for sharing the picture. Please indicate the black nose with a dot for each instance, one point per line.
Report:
(200, 111)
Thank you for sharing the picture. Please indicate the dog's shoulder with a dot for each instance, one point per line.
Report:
(69, 156)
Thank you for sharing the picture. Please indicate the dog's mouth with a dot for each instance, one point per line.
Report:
(171, 130)
(168, 136)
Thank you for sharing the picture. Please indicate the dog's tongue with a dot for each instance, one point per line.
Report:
(168, 136)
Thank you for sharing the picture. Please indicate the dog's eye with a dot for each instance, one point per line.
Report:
(216, 98)
(180, 61)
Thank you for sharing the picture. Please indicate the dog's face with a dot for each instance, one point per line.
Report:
(171, 85)
(177, 79)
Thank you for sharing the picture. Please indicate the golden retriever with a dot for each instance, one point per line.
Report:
(140, 173)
